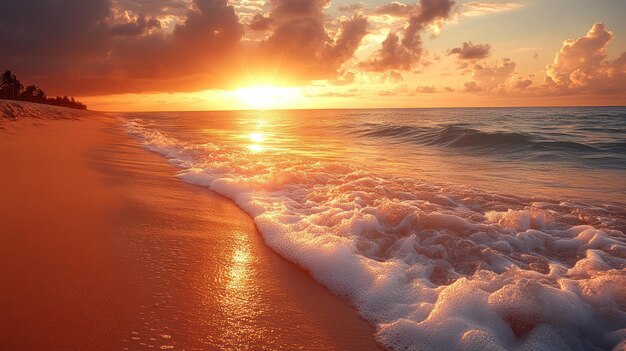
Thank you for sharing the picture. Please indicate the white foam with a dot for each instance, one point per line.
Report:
(432, 272)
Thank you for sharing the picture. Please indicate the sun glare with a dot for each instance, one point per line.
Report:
(267, 97)
(257, 137)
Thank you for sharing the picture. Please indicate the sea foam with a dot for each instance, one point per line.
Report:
(432, 267)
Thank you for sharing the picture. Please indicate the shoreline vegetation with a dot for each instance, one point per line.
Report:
(12, 89)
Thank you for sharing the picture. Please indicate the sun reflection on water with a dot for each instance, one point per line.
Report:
(256, 139)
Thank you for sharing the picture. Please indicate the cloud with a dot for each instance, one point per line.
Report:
(471, 87)
(351, 8)
(491, 77)
(351, 34)
(404, 54)
(426, 89)
(260, 22)
(395, 9)
(388, 93)
(155, 8)
(342, 94)
(122, 46)
(391, 76)
(522, 84)
(343, 78)
(82, 47)
(582, 65)
(138, 26)
(481, 8)
(300, 48)
(470, 51)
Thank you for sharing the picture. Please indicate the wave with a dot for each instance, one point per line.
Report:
(462, 136)
(432, 267)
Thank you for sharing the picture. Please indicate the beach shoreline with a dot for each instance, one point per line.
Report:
(105, 249)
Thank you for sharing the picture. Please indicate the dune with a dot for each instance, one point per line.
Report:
(102, 248)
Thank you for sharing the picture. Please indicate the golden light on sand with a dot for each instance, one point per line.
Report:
(267, 97)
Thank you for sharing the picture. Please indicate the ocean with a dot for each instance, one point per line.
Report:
(463, 228)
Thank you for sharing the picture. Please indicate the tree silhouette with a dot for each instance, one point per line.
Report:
(12, 89)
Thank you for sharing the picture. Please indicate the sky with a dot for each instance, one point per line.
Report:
(142, 55)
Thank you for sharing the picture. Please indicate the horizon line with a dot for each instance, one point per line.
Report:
(368, 108)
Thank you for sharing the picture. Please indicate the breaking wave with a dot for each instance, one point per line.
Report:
(432, 267)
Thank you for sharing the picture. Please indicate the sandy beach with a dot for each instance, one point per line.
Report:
(102, 248)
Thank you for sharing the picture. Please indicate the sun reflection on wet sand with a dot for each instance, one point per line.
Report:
(238, 271)
(240, 303)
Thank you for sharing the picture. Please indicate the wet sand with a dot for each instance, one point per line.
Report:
(101, 248)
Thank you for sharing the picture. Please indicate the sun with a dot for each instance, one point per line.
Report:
(267, 97)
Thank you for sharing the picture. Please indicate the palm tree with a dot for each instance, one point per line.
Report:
(10, 87)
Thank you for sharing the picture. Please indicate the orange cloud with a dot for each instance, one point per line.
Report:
(89, 48)
(491, 77)
(396, 9)
(481, 8)
(427, 89)
(404, 54)
(582, 66)
(299, 48)
(95, 47)
(471, 51)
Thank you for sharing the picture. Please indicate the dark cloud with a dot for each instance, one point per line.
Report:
(404, 54)
(139, 26)
(352, 32)
(471, 51)
(80, 47)
(300, 47)
(260, 22)
(120, 46)
(286, 10)
(155, 8)
(57, 29)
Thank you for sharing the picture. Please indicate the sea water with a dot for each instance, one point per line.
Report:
(448, 229)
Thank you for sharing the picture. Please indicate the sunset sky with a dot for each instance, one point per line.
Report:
(247, 54)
